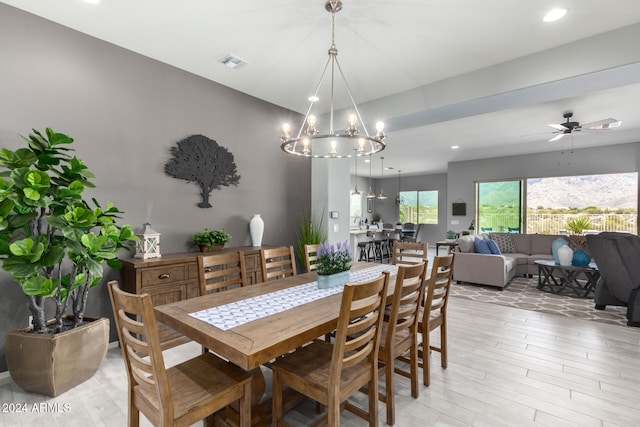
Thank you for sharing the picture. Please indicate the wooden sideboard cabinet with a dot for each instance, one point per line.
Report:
(174, 277)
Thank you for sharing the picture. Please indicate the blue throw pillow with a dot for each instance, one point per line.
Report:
(493, 247)
(481, 246)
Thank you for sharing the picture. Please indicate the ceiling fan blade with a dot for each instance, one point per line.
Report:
(557, 137)
(602, 124)
(596, 130)
(559, 127)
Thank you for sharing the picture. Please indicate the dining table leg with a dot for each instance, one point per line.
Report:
(231, 418)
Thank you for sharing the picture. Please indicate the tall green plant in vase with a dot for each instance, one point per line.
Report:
(52, 241)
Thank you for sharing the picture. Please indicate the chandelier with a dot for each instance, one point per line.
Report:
(309, 142)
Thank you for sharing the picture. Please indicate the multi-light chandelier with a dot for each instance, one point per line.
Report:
(309, 142)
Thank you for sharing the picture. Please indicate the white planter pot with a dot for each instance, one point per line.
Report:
(565, 255)
(256, 230)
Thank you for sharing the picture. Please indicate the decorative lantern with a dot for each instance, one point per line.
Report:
(149, 244)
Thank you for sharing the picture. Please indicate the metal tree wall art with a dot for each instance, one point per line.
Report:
(201, 160)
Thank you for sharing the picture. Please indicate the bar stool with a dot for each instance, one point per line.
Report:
(378, 246)
(364, 247)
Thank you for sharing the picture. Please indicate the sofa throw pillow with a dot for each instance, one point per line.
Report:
(493, 247)
(481, 246)
(465, 244)
(504, 242)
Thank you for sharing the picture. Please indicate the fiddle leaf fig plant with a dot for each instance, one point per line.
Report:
(53, 242)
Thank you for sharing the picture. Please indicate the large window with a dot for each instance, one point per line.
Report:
(600, 202)
(419, 207)
(499, 206)
(555, 204)
(356, 206)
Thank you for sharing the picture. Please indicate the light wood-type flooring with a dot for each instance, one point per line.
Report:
(507, 367)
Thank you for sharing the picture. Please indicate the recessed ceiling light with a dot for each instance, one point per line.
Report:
(554, 15)
(233, 61)
(92, 1)
(455, 147)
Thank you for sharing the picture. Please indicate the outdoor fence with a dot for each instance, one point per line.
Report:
(557, 223)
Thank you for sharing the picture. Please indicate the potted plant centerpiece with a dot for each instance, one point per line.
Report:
(54, 244)
(333, 264)
(211, 240)
(578, 226)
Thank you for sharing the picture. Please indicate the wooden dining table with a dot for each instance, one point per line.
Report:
(257, 342)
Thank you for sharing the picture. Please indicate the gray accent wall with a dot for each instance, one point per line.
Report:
(125, 111)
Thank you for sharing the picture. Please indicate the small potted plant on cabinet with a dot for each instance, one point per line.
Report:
(211, 240)
(54, 244)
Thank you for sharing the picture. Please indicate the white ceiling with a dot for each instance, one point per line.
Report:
(485, 75)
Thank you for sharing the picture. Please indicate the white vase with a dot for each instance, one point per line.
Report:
(565, 255)
(256, 229)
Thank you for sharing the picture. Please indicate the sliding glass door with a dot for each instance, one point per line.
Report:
(500, 206)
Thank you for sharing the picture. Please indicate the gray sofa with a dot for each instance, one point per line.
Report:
(518, 253)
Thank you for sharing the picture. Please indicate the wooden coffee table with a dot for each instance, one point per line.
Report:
(556, 278)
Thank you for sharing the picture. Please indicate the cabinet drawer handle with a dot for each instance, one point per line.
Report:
(164, 276)
(208, 269)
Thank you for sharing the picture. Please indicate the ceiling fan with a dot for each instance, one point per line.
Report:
(568, 127)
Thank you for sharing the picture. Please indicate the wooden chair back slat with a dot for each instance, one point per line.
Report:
(401, 332)
(142, 352)
(359, 324)
(438, 285)
(352, 360)
(311, 257)
(219, 272)
(435, 312)
(408, 253)
(179, 395)
(277, 263)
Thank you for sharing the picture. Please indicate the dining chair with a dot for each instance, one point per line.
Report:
(277, 263)
(400, 333)
(219, 272)
(409, 253)
(180, 395)
(311, 257)
(409, 232)
(434, 313)
(330, 373)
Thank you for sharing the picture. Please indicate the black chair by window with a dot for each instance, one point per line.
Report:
(410, 232)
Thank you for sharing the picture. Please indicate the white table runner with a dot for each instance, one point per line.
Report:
(240, 312)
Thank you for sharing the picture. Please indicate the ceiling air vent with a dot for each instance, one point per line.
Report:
(233, 61)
